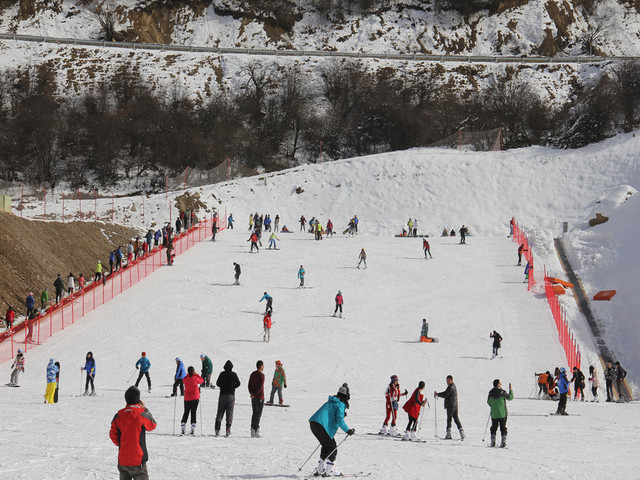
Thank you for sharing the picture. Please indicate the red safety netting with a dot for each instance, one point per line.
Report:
(72, 308)
(568, 343)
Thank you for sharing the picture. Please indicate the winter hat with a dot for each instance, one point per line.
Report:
(394, 378)
(144, 354)
(278, 362)
(178, 359)
(19, 351)
(563, 370)
(31, 293)
(132, 395)
(202, 356)
(344, 390)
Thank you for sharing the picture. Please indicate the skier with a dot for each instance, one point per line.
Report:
(497, 400)
(17, 366)
(269, 300)
(143, 364)
(227, 381)
(329, 228)
(179, 378)
(544, 379)
(98, 271)
(71, 283)
(127, 432)
(339, 302)
(81, 282)
(30, 303)
(192, 383)
(130, 251)
(266, 323)
(427, 248)
(325, 423)
(207, 370)
(497, 343)
(237, 273)
(119, 256)
(90, 368)
(279, 381)
(450, 396)
(621, 373)
(301, 273)
(267, 224)
(521, 250)
(112, 261)
(272, 240)
(303, 222)
(527, 269)
(595, 382)
(170, 254)
(410, 227)
(55, 393)
(578, 384)
(149, 238)
(10, 317)
(250, 222)
(413, 407)
(256, 393)
(363, 258)
(156, 237)
(44, 298)
(51, 381)
(355, 223)
(214, 229)
(463, 235)
(415, 227)
(318, 229)
(392, 398)
(254, 241)
(610, 374)
(511, 224)
(563, 389)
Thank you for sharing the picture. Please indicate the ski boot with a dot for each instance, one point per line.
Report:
(86, 392)
(320, 469)
(414, 436)
(257, 435)
(330, 470)
(448, 435)
(228, 433)
(462, 435)
(384, 430)
(393, 431)
(183, 428)
(93, 393)
(217, 433)
(493, 441)
(193, 429)
(504, 441)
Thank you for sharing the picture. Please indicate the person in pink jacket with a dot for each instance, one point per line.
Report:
(191, 398)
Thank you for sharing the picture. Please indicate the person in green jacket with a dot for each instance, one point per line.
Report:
(207, 370)
(44, 298)
(279, 380)
(497, 400)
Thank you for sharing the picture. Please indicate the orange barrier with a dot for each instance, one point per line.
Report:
(564, 283)
(604, 295)
(558, 289)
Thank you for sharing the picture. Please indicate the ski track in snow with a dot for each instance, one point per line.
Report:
(464, 292)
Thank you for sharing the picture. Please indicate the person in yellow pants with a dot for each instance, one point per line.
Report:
(52, 369)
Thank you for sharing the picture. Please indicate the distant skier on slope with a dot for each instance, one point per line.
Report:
(269, 300)
(266, 324)
(254, 241)
(279, 381)
(301, 273)
(90, 368)
(363, 258)
(236, 268)
(497, 400)
(207, 370)
(325, 423)
(521, 250)
(178, 378)
(339, 302)
(17, 366)
(143, 364)
(563, 390)
(527, 269)
(272, 241)
(464, 231)
(392, 396)
(497, 343)
(427, 248)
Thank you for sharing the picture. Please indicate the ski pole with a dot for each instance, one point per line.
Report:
(421, 415)
(487, 426)
(175, 401)
(201, 426)
(435, 416)
(336, 449)
(128, 381)
(309, 458)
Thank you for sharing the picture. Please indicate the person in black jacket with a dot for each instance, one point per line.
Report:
(578, 383)
(59, 286)
(621, 373)
(227, 381)
(610, 375)
(497, 343)
(450, 396)
(237, 273)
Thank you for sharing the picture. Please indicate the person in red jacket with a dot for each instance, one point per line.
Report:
(339, 302)
(256, 392)
(413, 407)
(10, 317)
(266, 323)
(254, 241)
(392, 396)
(521, 250)
(128, 429)
(191, 399)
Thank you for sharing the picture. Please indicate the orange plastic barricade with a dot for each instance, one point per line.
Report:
(604, 295)
(558, 290)
(561, 282)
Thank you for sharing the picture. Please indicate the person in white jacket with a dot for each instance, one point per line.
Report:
(595, 382)
(71, 283)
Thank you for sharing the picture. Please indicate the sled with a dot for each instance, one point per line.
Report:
(604, 295)
(429, 339)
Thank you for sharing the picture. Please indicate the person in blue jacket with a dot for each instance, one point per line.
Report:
(180, 374)
(90, 368)
(325, 423)
(563, 388)
(301, 276)
(118, 258)
(230, 221)
(269, 300)
(156, 237)
(143, 364)
(112, 260)
(30, 303)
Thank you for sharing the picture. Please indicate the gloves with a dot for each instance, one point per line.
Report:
(406, 392)
(285, 385)
(137, 367)
(351, 431)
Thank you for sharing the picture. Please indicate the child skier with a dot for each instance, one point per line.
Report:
(266, 323)
(392, 396)
(339, 302)
(413, 407)
(301, 273)
(363, 258)
(17, 366)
